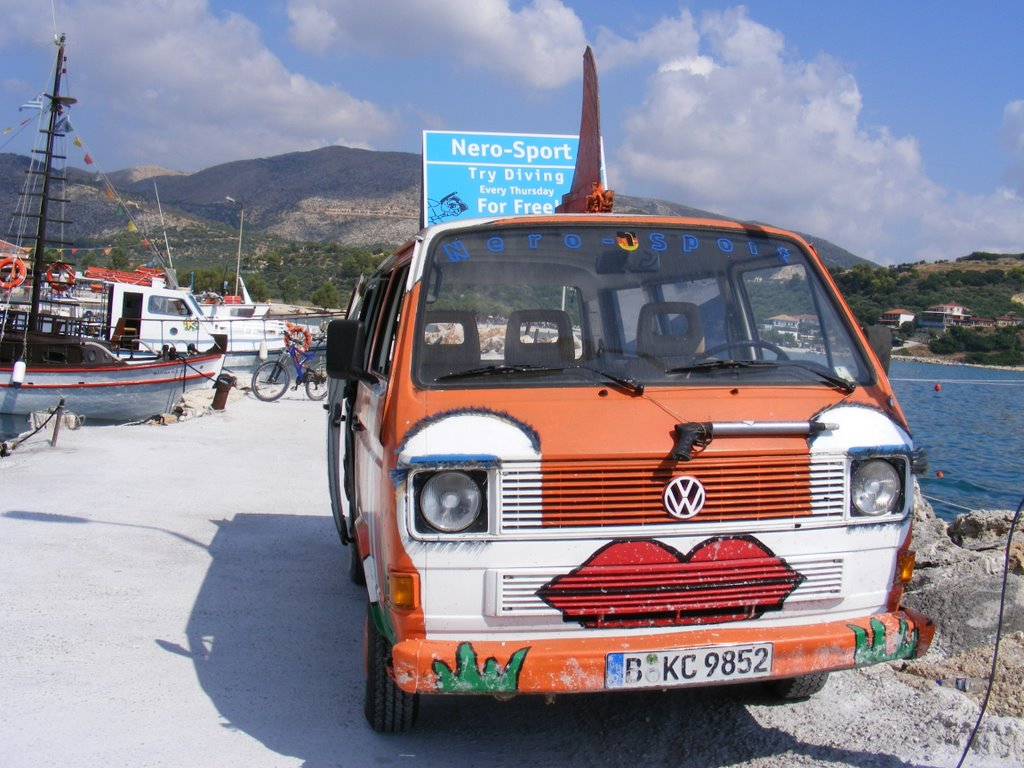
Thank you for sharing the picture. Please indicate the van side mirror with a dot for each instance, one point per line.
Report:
(344, 349)
(880, 340)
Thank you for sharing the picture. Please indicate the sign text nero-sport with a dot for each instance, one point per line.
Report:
(519, 150)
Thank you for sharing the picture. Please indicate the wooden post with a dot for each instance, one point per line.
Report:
(59, 417)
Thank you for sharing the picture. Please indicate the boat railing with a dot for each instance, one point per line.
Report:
(15, 320)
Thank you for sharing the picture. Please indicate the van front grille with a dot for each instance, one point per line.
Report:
(605, 493)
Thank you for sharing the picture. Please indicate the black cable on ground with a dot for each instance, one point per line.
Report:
(999, 634)
(8, 447)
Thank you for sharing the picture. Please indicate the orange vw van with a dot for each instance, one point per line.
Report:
(580, 453)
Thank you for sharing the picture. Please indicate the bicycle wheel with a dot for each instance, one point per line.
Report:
(270, 381)
(316, 378)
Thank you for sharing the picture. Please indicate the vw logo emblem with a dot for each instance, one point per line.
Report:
(683, 497)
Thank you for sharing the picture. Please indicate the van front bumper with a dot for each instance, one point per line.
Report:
(711, 656)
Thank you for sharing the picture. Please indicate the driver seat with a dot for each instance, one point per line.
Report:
(670, 333)
(539, 337)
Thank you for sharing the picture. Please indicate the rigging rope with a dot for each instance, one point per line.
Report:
(948, 503)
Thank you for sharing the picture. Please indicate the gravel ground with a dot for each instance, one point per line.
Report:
(175, 595)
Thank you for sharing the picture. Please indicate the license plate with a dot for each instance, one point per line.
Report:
(690, 666)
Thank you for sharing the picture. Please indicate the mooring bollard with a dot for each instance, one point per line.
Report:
(58, 417)
(223, 387)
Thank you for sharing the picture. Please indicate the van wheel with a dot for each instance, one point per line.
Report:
(796, 688)
(389, 709)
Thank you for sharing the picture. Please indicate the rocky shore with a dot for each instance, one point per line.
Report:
(919, 353)
(957, 582)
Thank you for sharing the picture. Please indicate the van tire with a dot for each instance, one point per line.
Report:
(388, 708)
(798, 688)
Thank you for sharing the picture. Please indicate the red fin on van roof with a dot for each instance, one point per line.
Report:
(587, 194)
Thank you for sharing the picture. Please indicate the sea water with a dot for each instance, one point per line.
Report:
(970, 423)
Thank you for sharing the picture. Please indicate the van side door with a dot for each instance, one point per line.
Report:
(367, 465)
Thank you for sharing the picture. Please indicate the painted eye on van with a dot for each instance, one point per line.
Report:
(451, 502)
(876, 488)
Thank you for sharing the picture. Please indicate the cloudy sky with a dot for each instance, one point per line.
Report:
(895, 130)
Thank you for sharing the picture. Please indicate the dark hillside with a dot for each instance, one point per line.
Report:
(312, 195)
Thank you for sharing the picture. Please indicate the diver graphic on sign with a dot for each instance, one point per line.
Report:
(448, 207)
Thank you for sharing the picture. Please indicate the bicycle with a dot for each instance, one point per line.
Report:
(271, 379)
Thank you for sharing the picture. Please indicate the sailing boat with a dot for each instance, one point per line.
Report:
(47, 357)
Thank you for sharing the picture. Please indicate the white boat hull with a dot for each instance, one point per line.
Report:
(118, 392)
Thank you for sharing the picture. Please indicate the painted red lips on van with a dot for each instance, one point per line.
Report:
(645, 583)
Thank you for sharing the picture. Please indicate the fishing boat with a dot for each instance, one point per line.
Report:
(145, 312)
(46, 355)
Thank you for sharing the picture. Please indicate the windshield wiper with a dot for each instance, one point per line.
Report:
(497, 370)
(631, 385)
(839, 383)
(719, 365)
(844, 385)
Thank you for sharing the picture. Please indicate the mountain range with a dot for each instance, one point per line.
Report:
(353, 197)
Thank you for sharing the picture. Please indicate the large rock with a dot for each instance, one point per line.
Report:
(957, 582)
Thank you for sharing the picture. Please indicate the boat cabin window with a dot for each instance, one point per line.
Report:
(168, 305)
(590, 303)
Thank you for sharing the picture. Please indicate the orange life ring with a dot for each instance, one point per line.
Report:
(293, 331)
(60, 276)
(12, 272)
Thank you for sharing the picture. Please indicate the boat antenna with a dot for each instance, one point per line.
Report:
(55, 128)
(587, 193)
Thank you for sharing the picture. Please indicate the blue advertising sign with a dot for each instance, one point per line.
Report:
(494, 174)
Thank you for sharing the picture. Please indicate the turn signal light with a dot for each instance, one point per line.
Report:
(905, 565)
(404, 590)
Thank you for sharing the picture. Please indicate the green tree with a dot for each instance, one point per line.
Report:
(258, 288)
(119, 259)
(326, 296)
(290, 289)
(212, 280)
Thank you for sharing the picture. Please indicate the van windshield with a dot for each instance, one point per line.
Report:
(593, 303)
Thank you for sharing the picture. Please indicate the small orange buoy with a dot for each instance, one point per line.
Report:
(938, 387)
(938, 473)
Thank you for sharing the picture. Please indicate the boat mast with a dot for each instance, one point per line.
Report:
(57, 104)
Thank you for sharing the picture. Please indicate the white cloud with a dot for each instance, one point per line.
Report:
(538, 45)
(731, 123)
(175, 83)
(669, 39)
(694, 65)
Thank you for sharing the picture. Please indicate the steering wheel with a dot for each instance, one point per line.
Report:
(773, 348)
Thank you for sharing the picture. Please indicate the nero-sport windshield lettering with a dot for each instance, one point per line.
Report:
(549, 306)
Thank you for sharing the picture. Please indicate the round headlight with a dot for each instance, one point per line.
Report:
(450, 501)
(875, 489)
